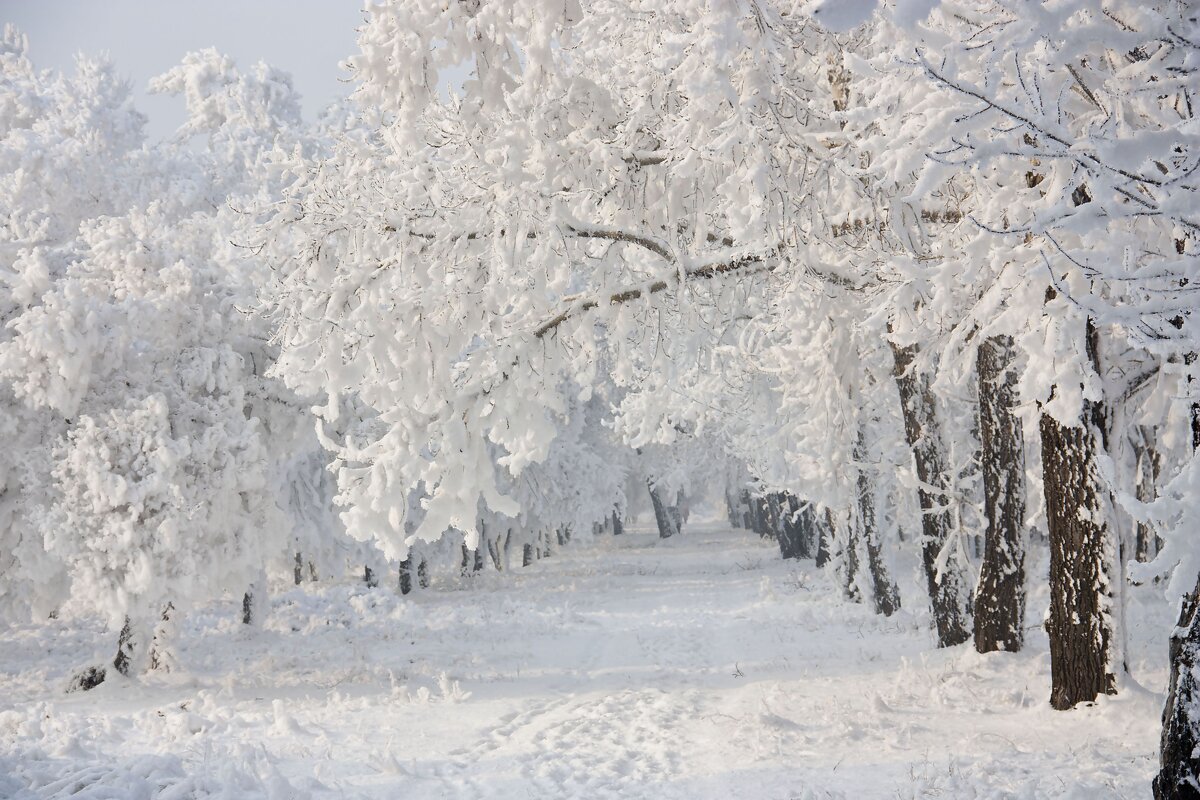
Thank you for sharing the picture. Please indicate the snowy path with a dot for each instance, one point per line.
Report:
(694, 668)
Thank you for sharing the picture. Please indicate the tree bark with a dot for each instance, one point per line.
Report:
(494, 552)
(1000, 598)
(947, 590)
(298, 570)
(618, 527)
(1149, 469)
(254, 601)
(126, 648)
(884, 590)
(1080, 622)
(1178, 776)
(406, 576)
(526, 555)
(803, 518)
(369, 577)
(824, 528)
(664, 515)
(161, 658)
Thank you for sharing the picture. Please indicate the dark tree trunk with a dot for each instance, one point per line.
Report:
(804, 522)
(526, 555)
(1079, 626)
(298, 571)
(791, 534)
(1179, 756)
(562, 537)
(666, 516)
(850, 579)
(472, 560)
(823, 523)
(406, 576)
(160, 643)
(126, 648)
(423, 574)
(254, 602)
(618, 527)
(1149, 469)
(947, 590)
(312, 571)
(884, 590)
(494, 552)
(1000, 598)
(369, 577)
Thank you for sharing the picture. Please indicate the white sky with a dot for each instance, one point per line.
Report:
(147, 37)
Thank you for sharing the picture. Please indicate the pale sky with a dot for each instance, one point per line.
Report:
(304, 37)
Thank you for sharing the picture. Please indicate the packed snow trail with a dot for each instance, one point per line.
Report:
(696, 667)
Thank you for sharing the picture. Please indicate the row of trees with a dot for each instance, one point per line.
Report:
(867, 270)
(946, 252)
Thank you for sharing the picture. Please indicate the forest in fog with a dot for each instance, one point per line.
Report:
(661, 393)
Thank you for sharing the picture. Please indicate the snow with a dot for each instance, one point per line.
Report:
(700, 666)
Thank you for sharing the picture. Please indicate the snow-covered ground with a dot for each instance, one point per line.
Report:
(697, 667)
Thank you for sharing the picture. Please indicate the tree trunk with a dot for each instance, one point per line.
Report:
(947, 590)
(494, 551)
(406, 576)
(823, 524)
(298, 571)
(423, 574)
(1149, 469)
(526, 555)
(618, 527)
(789, 527)
(884, 590)
(161, 658)
(1080, 623)
(666, 517)
(803, 520)
(850, 582)
(126, 648)
(254, 601)
(1000, 598)
(1179, 756)
(369, 577)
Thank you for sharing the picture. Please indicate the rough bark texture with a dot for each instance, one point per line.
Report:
(1079, 625)
(298, 570)
(1000, 598)
(947, 589)
(618, 527)
(884, 590)
(369, 577)
(526, 555)
(1179, 755)
(666, 516)
(423, 574)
